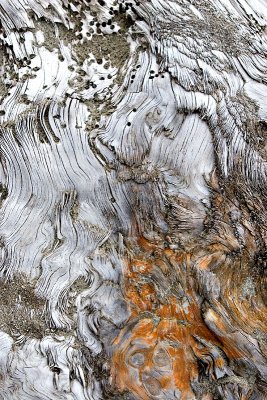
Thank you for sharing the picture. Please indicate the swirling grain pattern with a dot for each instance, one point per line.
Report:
(133, 172)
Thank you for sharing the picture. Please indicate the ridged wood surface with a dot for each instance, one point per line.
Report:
(133, 170)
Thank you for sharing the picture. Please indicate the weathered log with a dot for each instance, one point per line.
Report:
(133, 199)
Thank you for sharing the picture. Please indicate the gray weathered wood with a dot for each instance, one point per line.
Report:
(133, 199)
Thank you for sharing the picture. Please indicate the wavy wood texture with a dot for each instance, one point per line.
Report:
(133, 199)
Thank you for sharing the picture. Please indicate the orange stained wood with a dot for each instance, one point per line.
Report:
(146, 244)
(174, 324)
(148, 336)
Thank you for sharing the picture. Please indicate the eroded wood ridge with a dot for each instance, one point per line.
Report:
(133, 199)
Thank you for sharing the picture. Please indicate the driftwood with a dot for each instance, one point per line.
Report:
(133, 199)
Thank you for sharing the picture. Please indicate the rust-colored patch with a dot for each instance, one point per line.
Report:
(163, 321)
(169, 332)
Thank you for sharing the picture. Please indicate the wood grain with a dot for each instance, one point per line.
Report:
(133, 171)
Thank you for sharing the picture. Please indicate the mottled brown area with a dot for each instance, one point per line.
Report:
(262, 138)
(22, 312)
(112, 47)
